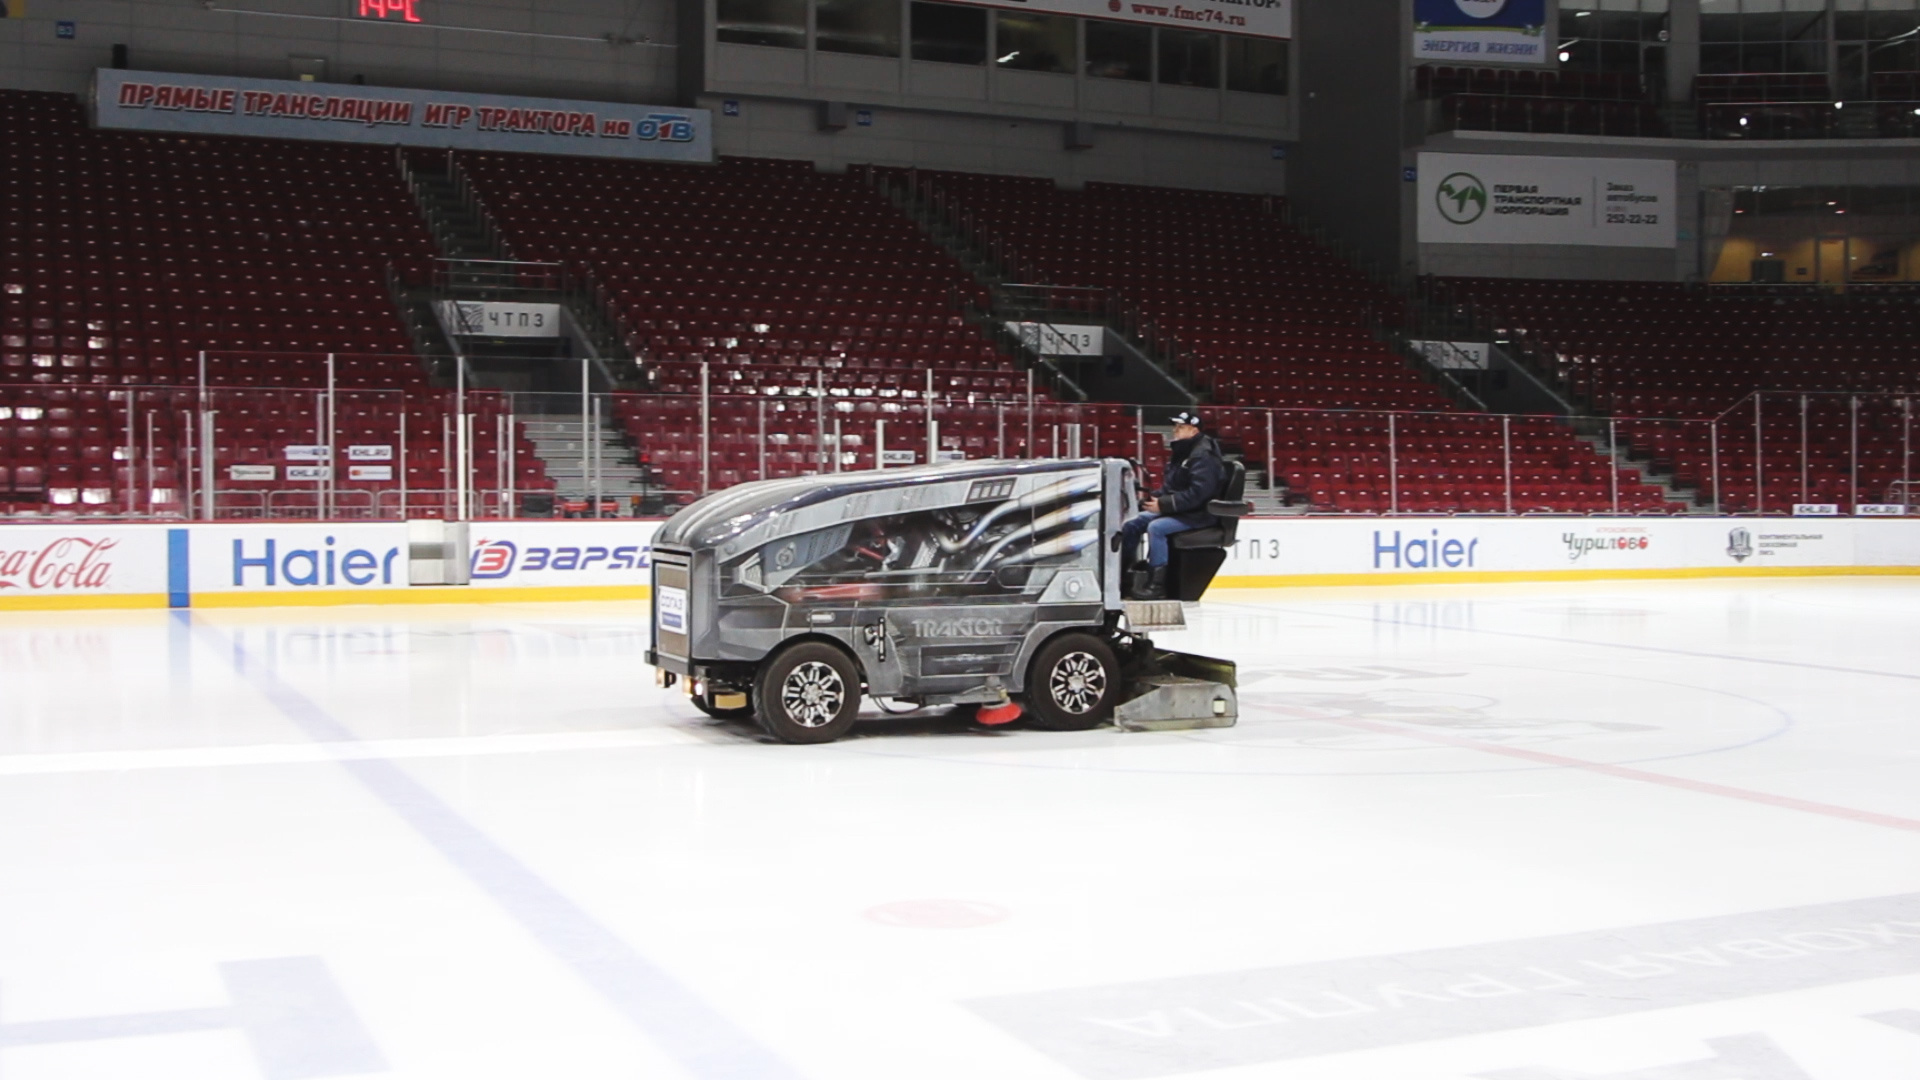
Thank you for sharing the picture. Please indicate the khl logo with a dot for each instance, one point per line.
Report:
(1480, 9)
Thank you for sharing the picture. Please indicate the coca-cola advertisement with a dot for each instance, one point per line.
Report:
(41, 560)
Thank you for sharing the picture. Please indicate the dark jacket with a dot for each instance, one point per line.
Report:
(1196, 475)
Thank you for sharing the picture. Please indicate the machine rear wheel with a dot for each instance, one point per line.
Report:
(808, 694)
(1072, 684)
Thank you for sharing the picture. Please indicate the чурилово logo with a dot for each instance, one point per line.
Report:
(1462, 198)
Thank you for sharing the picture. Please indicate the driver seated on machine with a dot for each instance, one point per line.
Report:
(1195, 476)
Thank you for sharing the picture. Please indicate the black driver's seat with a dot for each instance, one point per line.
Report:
(1195, 556)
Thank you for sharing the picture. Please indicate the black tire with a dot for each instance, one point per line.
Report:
(1072, 684)
(809, 693)
(704, 702)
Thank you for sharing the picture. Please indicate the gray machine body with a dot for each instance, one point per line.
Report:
(942, 582)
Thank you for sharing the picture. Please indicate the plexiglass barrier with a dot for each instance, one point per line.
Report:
(240, 452)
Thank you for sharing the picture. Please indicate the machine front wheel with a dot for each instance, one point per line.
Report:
(1072, 684)
(808, 694)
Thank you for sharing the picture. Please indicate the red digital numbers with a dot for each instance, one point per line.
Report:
(389, 9)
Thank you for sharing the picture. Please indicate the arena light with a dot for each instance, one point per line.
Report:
(1565, 56)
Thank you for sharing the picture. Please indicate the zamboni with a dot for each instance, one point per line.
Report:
(991, 584)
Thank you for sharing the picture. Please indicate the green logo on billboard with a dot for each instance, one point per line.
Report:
(1462, 198)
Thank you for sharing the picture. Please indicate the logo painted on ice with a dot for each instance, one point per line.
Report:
(71, 562)
(1740, 545)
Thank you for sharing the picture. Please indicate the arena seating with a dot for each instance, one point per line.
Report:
(123, 256)
(1640, 349)
(786, 280)
(1268, 318)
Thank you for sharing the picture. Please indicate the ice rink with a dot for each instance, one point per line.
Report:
(1658, 831)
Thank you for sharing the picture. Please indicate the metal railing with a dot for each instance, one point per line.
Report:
(333, 451)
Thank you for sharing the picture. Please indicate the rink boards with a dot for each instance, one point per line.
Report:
(82, 565)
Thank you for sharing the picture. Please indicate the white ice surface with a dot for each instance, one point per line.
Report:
(515, 857)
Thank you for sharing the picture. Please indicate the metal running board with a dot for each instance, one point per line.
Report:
(1178, 703)
(1156, 615)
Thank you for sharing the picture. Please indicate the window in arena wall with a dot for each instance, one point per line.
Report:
(779, 23)
(1257, 65)
(949, 33)
(1028, 42)
(1617, 36)
(1820, 236)
(1119, 50)
(1876, 38)
(867, 27)
(1762, 36)
(1190, 58)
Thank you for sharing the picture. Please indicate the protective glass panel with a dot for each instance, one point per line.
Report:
(1034, 42)
(949, 33)
(778, 23)
(1257, 65)
(1189, 58)
(865, 27)
(1119, 50)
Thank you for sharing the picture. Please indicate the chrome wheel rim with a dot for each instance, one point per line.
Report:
(813, 694)
(1078, 682)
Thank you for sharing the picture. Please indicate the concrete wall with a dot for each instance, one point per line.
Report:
(1352, 72)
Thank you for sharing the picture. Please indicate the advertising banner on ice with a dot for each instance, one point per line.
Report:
(511, 554)
(280, 109)
(1256, 18)
(1592, 202)
(1480, 31)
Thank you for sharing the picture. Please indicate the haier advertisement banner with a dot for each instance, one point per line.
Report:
(1254, 18)
(1588, 202)
(279, 109)
(1480, 31)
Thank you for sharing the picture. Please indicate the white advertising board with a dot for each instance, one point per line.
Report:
(1053, 339)
(1255, 18)
(218, 565)
(370, 472)
(379, 452)
(75, 560)
(253, 472)
(562, 553)
(1591, 202)
(292, 558)
(389, 116)
(1474, 547)
(308, 453)
(489, 318)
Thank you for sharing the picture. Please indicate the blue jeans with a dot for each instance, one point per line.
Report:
(1156, 529)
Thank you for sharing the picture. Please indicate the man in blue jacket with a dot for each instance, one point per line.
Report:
(1195, 476)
